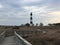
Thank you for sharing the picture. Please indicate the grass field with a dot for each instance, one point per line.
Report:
(51, 37)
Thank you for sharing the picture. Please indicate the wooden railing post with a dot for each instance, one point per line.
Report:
(2, 36)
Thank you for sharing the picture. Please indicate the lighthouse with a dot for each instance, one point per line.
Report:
(31, 19)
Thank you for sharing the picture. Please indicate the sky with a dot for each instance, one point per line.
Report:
(17, 12)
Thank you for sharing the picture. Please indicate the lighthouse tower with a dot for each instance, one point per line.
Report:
(31, 19)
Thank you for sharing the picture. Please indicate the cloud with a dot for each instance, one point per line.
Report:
(37, 10)
(18, 11)
(53, 20)
(31, 2)
(55, 13)
(1, 6)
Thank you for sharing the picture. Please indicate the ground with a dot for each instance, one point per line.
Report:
(50, 37)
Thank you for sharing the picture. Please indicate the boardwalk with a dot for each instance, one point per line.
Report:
(9, 41)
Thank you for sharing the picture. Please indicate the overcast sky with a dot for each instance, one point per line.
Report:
(16, 12)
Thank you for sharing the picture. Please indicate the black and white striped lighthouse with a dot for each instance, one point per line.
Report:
(31, 19)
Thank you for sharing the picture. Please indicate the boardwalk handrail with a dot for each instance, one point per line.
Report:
(24, 42)
(2, 33)
(2, 36)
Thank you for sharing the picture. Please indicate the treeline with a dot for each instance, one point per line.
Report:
(28, 25)
(54, 24)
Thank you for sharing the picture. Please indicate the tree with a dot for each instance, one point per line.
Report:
(56, 24)
(27, 24)
(22, 25)
(50, 25)
(36, 24)
(41, 24)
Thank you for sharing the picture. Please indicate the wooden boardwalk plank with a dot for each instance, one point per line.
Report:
(9, 41)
